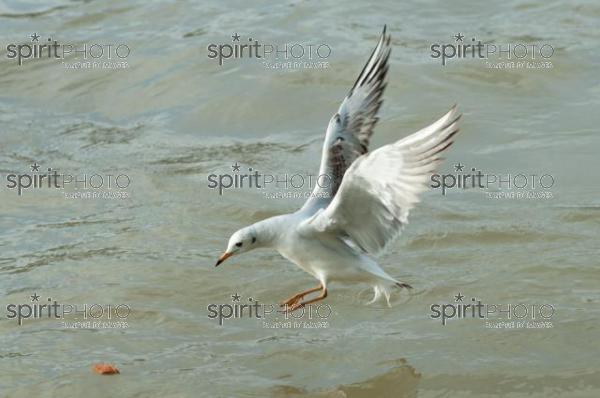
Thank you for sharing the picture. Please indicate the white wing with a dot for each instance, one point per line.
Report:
(350, 129)
(379, 189)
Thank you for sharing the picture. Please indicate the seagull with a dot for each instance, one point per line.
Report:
(345, 224)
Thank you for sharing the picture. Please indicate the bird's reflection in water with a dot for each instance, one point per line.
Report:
(400, 381)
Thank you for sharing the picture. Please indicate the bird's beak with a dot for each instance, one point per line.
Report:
(223, 257)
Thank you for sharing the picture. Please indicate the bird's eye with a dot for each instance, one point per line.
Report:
(253, 239)
(239, 244)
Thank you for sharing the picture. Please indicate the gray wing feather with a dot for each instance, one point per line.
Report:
(350, 129)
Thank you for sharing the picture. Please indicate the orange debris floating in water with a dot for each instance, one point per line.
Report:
(105, 369)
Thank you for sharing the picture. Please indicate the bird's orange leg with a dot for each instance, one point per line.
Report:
(294, 306)
(296, 297)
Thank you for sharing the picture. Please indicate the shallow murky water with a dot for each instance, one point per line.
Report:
(173, 117)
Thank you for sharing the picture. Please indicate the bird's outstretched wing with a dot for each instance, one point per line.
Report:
(350, 129)
(379, 189)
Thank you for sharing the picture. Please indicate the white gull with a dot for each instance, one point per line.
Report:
(335, 234)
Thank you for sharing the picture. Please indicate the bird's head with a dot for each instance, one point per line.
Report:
(241, 241)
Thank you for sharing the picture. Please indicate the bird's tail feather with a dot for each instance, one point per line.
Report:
(384, 288)
(403, 285)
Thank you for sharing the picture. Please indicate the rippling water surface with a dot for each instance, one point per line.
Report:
(174, 117)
